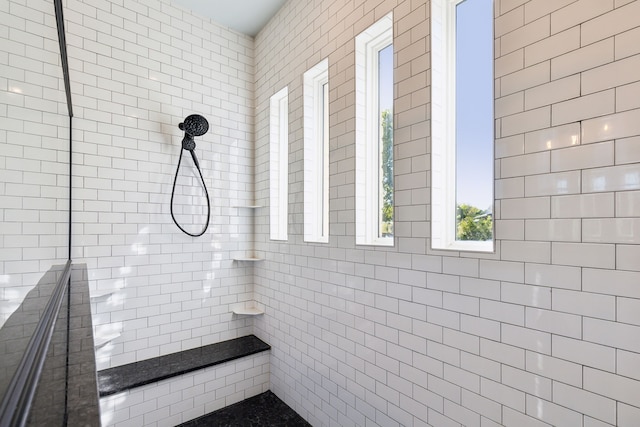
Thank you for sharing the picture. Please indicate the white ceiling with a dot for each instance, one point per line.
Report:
(245, 16)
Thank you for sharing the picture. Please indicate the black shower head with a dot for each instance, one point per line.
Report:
(194, 125)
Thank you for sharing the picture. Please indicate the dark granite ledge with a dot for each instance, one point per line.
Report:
(120, 378)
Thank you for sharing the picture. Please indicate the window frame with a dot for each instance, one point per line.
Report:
(368, 44)
(279, 165)
(316, 153)
(443, 131)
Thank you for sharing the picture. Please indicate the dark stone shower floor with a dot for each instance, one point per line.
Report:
(263, 410)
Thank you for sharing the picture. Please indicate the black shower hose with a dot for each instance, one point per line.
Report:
(173, 190)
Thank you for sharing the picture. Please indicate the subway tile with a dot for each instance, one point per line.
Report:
(509, 229)
(551, 93)
(628, 415)
(480, 327)
(584, 254)
(547, 366)
(509, 21)
(525, 35)
(460, 377)
(534, 296)
(557, 276)
(503, 394)
(628, 364)
(527, 77)
(552, 138)
(529, 164)
(510, 104)
(615, 178)
(619, 388)
(509, 146)
(628, 310)
(554, 322)
(480, 365)
(558, 230)
(591, 404)
(611, 230)
(611, 23)
(583, 108)
(509, 188)
(627, 97)
(615, 126)
(503, 353)
(585, 304)
(482, 406)
(526, 251)
(529, 383)
(608, 76)
(627, 256)
(501, 270)
(611, 333)
(553, 46)
(584, 352)
(578, 12)
(625, 45)
(585, 58)
(528, 121)
(509, 63)
(552, 184)
(583, 206)
(582, 157)
(616, 282)
(526, 338)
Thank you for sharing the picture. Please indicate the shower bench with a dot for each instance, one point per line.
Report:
(184, 385)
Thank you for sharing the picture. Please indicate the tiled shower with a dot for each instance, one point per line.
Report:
(545, 331)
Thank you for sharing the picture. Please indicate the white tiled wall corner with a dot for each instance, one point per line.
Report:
(137, 70)
(537, 334)
(176, 400)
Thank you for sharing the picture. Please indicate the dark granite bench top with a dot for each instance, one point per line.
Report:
(120, 378)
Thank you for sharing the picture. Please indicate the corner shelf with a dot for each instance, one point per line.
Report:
(248, 259)
(247, 206)
(248, 311)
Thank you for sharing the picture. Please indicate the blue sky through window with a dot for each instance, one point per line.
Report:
(474, 103)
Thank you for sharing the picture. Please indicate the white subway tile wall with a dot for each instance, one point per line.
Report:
(545, 331)
(137, 70)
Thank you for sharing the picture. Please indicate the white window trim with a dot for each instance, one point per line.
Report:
(368, 44)
(316, 153)
(443, 130)
(279, 165)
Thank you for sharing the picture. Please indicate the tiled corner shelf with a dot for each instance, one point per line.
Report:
(247, 206)
(249, 259)
(248, 311)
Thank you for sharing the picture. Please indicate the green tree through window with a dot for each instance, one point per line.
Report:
(387, 173)
(473, 223)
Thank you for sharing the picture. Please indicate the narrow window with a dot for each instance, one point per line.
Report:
(462, 123)
(374, 134)
(316, 153)
(279, 165)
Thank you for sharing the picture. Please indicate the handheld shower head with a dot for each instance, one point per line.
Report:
(194, 125)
